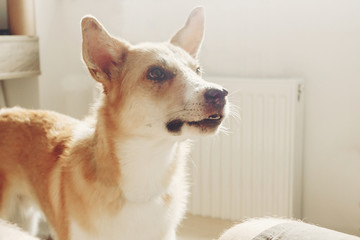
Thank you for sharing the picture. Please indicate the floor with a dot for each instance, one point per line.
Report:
(198, 228)
(201, 228)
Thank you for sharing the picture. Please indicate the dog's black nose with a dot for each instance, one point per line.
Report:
(216, 96)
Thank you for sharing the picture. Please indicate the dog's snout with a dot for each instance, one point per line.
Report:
(216, 96)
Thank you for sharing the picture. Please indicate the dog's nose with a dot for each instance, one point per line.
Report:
(216, 96)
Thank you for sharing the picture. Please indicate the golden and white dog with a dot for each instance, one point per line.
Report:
(121, 174)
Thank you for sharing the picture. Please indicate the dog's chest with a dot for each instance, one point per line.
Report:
(135, 221)
(154, 188)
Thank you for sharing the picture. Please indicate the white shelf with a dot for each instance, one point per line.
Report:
(19, 57)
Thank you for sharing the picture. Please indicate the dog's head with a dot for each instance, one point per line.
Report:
(154, 88)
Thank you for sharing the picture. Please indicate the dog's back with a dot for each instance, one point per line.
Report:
(24, 132)
(32, 139)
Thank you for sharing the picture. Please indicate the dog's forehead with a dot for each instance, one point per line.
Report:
(162, 53)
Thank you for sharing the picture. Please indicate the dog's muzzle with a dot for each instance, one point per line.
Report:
(214, 103)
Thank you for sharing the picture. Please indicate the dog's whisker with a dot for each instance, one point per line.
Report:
(234, 92)
(234, 111)
(235, 114)
(224, 130)
(235, 100)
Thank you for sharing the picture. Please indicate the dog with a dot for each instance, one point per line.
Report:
(120, 174)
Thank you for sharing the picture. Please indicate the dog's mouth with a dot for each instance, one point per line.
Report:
(209, 123)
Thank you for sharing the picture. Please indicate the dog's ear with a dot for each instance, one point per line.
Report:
(103, 54)
(191, 35)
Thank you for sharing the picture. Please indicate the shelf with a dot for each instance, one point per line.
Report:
(19, 57)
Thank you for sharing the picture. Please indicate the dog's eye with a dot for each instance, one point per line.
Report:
(156, 74)
(198, 70)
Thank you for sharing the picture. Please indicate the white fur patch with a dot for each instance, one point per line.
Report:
(144, 164)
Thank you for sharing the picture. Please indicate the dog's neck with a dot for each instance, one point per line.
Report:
(143, 167)
(147, 166)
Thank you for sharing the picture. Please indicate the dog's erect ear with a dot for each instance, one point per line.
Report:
(103, 54)
(191, 35)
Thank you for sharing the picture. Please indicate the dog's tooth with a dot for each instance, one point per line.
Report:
(214, 117)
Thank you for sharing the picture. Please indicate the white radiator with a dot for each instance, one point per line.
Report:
(255, 170)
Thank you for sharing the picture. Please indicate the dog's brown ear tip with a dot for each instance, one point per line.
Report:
(196, 15)
(199, 10)
(89, 21)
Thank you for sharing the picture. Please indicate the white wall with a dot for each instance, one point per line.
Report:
(317, 40)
